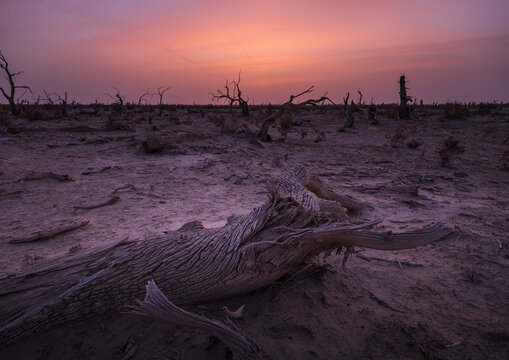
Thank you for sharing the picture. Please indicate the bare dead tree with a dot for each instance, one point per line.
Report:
(263, 133)
(48, 98)
(142, 98)
(63, 100)
(360, 97)
(349, 117)
(11, 77)
(345, 102)
(233, 94)
(372, 114)
(404, 109)
(160, 91)
(37, 100)
(119, 99)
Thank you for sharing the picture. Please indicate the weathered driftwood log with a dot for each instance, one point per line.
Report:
(193, 264)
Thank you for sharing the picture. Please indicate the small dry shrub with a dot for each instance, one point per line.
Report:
(320, 134)
(504, 160)
(398, 137)
(218, 120)
(413, 144)
(450, 147)
(456, 111)
(303, 134)
(390, 112)
(485, 109)
(34, 114)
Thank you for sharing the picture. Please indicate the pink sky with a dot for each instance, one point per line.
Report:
(449, 50)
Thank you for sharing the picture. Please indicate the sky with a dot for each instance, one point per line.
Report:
(450, 50)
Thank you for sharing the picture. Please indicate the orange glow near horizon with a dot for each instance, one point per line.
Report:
(450, 50)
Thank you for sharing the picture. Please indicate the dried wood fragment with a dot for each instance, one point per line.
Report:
(48, 234)
(124, 187)
(395, 262)
(111, 201)
(237, 314)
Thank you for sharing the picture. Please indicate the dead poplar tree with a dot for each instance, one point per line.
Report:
(119, 100)
(263, 133)
(142, 98)
(160, 91)
(48, 98)
(349, 117)
(11, 76)
(63, 101)
(345, 102)
(233, 94)
(404, 109)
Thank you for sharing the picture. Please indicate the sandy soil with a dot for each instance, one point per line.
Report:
(449, 300)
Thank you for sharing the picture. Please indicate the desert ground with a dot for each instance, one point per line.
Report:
(447, 300)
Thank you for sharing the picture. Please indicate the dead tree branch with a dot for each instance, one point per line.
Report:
(49, 175)
(263, 133)
(157, 306)
(51, 233)
(48, 98)
(10, 77)
(111, 201)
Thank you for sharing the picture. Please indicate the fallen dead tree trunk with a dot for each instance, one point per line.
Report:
(193, 264)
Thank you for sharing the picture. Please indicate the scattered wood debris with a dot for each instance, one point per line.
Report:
(111, 201)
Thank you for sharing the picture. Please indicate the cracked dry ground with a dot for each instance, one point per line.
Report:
(444, 301)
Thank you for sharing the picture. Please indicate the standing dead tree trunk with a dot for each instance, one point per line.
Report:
(11, 76)
(349, 117)
(404, 109)
(372, 113)
(360, 97)
(300, 219)
(160, 92)
(233, 94)
(263, 133)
